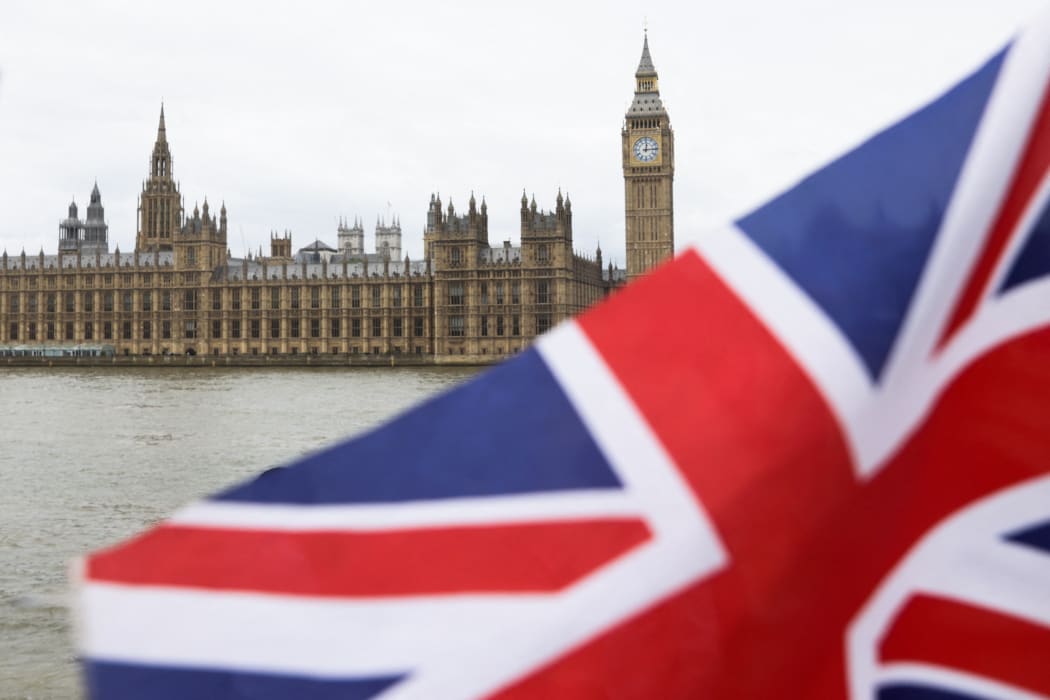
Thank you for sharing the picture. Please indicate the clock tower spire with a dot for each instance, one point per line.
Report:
(648, 172)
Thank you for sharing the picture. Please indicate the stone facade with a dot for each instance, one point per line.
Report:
(493, 301)
(180, 292)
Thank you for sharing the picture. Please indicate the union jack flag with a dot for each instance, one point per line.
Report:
(809, 458)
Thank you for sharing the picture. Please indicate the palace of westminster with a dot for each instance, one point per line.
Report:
(180, 291)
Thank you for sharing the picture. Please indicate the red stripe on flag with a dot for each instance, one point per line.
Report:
(974, 640)
(1034, 162)
(517, 558)
(807, 543)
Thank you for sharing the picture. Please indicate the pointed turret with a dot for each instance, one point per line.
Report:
(161, 161)
(70, 231)
(96, 231)
(645, 65)
(162, 135)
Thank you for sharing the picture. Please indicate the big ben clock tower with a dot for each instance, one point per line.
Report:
(648, 173)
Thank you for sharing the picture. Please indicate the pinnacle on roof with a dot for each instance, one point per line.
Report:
(162, 136)
(645, 65)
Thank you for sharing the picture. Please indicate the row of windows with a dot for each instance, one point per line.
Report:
(88, 280)
(642, 189)
(646, 229)
(66, 331)
(456, 256)
(354, 350)
(644, 123)
(312, 328)
(456, 295)
(497, 326)
(51, 301)
(253, 329)
(254, 299)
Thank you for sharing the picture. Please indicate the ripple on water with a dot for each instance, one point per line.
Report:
(153, 438)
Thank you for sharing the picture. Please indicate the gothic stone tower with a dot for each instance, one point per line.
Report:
(160, 204)
(96, 231)
(648, 173)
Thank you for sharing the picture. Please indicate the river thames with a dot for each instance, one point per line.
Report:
(91, 456)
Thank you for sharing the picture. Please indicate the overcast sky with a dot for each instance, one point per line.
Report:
(295, 116)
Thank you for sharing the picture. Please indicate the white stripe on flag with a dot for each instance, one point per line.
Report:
(483, 510)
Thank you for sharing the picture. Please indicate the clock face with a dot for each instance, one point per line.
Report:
(645, 149)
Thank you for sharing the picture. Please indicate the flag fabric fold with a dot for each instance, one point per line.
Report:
(810, 457)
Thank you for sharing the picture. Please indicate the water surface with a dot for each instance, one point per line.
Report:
(91, 456)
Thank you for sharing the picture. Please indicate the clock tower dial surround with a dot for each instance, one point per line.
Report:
(648, 173)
